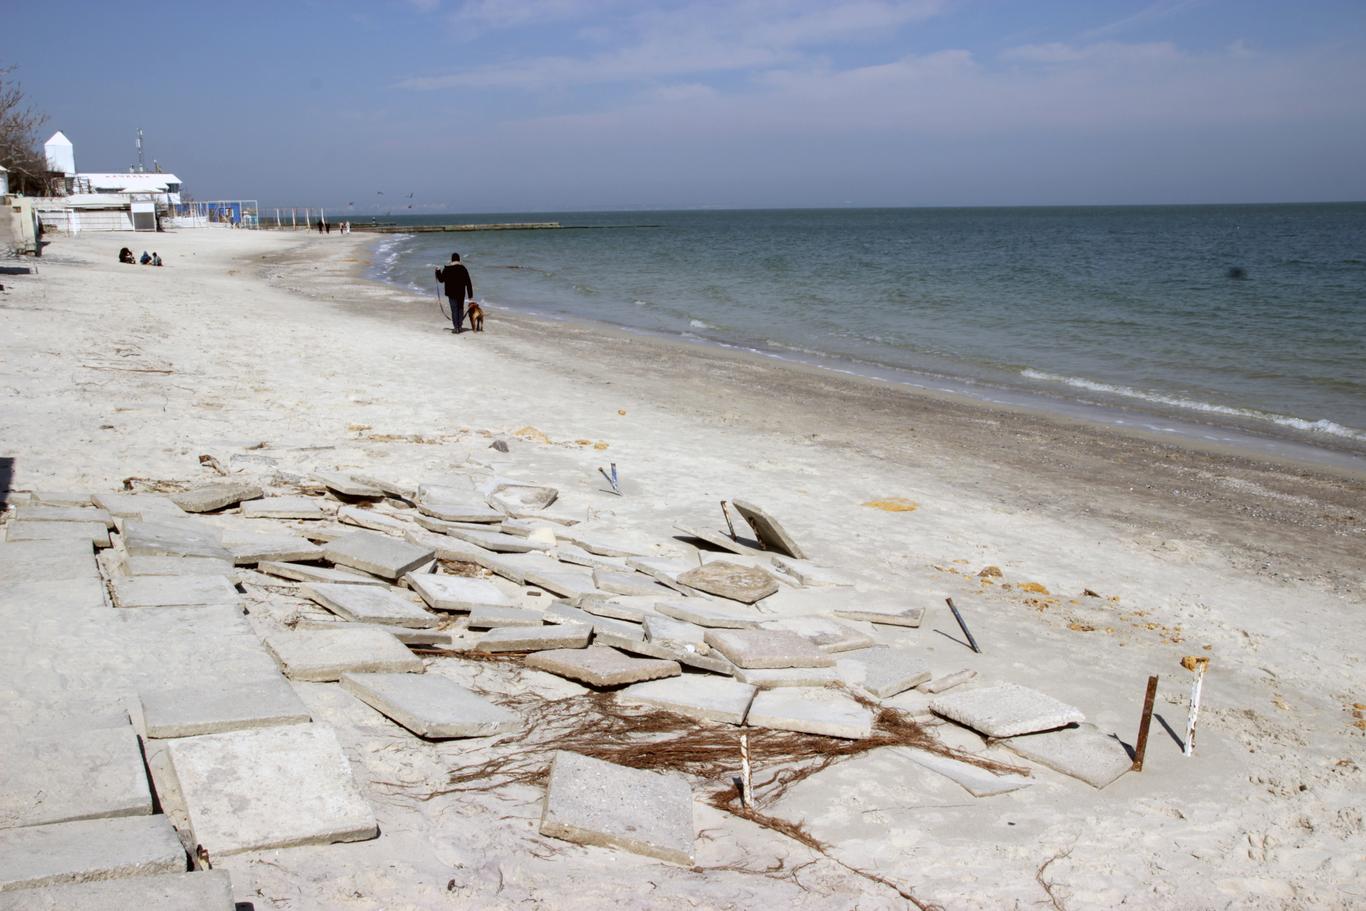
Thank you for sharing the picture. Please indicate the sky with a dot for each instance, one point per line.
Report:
(562, 105)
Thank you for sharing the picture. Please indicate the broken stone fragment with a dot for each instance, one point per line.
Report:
(768, 530)
(216, 496)
(601, 666)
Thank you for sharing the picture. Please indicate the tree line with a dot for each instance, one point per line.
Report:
(20, 152)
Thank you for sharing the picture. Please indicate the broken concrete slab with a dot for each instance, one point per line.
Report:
(631, 611)
(746, 584)
(887, 616)
(137, 505)
(498, 542)
(250, 548)
(47, 561)
(517, 499)
(343, 485)
(710, 616)
(89, 849)
(767, 529)
(592, 802)
(664, 570)
(369, 604)
(767, 648)
(373, 520)
(826, 634)
(534, 639)
(295, 507)
(975, 780)
(173, 591)
(594, 541)
(563, 612)
(810, 710)
(717, 539)
(947, 681)
(63, 595)
(694, 696)
(219, 495)
(489, 617)
(630, 582)
(1085, 752)
(21, 530)
(445, 547)
(322, 655)
(457, 593)
(394, 489)
(669, 651)
(377, 553)
(205, 890)
(601, 666)
(452, 504)
(577, 556)
(667, 629)
(430, 705)
(883, 672)
(274, 787)
(205, 707)
(570, 584)
(60, 498)
(77, 773)
(772, 678)
(809, 574)
(1006, 709)
(173, 538)
(64, 514)
(302, 572)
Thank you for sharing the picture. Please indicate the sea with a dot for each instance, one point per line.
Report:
(1239, 324)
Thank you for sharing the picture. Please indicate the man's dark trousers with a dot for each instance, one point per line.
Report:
(457, 311)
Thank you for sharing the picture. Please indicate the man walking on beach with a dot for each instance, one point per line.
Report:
(456, 279)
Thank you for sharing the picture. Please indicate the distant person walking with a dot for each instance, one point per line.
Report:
(456, 279)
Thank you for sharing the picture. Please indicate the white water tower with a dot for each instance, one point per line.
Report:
(61, 155)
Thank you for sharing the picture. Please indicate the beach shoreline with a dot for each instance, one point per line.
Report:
(1118, 555)
(1184, 487)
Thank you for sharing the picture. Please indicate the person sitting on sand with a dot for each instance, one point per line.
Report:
(126, 256)
(458, 286)
(156, 258)
(145, 259)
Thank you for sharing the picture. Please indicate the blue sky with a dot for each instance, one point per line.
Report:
(511, 105)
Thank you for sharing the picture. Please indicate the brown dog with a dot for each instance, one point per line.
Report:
(476, 315)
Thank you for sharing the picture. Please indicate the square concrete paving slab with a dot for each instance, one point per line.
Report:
(603, 543)
(376, 553)
(534, 639)
(887, 616)
(667, 629)
(625, 608)
(496, 541)
(563, 581)
(947, 681)
(219, 495)
(770, 678)
(64, 775)
(369, 604)
(347, 486)
(285, 508)
(205, 707)
(457, 593)
(1085, 752)
(628, 582)
(321, 655)
(70, 595)
(453, 505)
(163, 537)
(670, 651)
(708, 615)
(206, 890)
(491, 617)
(430, 705)
(976, 781)
(592, 802)
(64, 514)
(173, 591)
(698, 696)
(90, 849)
(810, 710)
(28, 530)
(137, 505)
(304, 572)
(137, 565)
(883, 672)
(60, 498)
(374, 520)
(269, 788)
(250, 549)
(601, 666)
(564, 612)
(826, 634)
(735, 581)
(47, 561)
(717, 539)
(767, 529)
(664, 570)
(767, 648)
(1005, 710)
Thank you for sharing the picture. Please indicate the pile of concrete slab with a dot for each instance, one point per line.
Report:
(179, 665)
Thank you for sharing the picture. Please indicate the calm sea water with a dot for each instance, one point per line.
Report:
(1252, 316)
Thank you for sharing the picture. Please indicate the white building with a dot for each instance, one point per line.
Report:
(104, 201)
(61, 155)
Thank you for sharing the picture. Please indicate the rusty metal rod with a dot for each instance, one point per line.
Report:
(963, 626)
(725, 511)
(1141, 748)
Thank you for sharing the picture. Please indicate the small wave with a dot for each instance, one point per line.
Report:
(699, 324)
(1331, 428)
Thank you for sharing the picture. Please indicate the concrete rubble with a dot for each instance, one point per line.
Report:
(726, 579)
(431, 706)
(601, 666)
(369, 604)
(326, 654)
(87, 850)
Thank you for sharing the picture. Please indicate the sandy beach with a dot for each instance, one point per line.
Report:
(1119, 554)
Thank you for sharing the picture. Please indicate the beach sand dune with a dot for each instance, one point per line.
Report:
(1119, 554)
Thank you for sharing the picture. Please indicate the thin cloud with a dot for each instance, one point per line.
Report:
(1153, 12)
